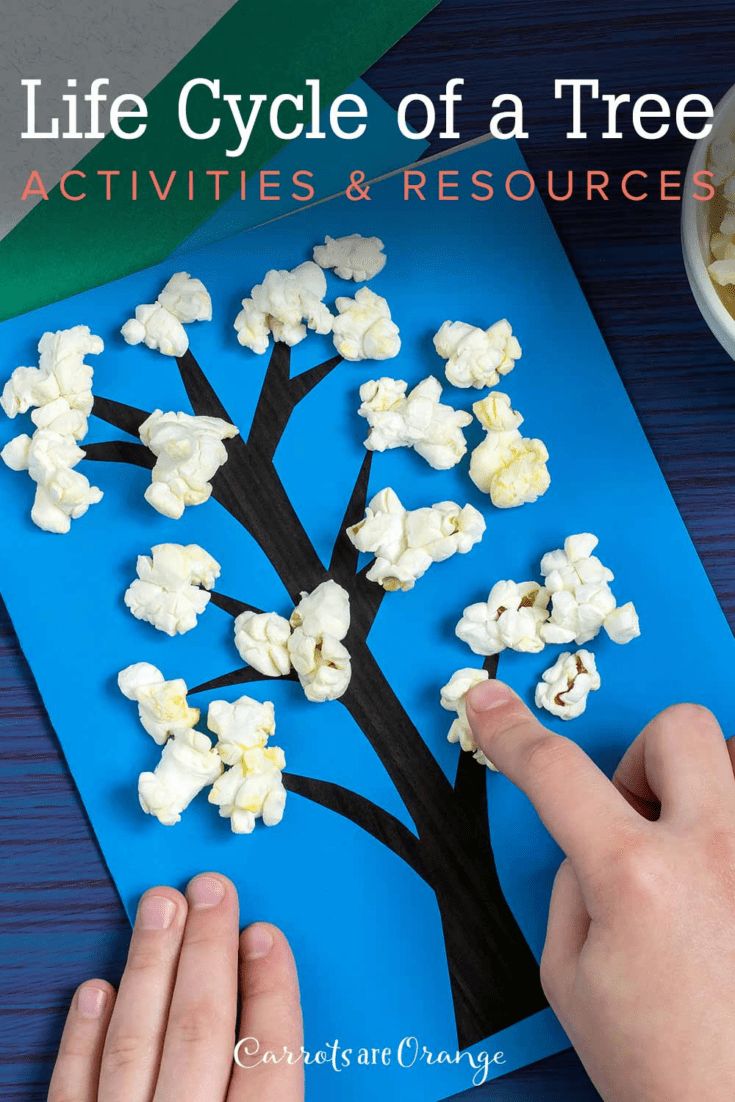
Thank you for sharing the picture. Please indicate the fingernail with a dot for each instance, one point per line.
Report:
(257, 942)
(488, 694)
(206, 891)
(91, 1002)
(156, 912)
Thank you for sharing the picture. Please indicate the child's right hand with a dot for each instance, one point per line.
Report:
(639, 961)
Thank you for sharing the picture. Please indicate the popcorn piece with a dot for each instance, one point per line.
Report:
(565, 686)
(509, 467)
(60, 387)
(352, 257)
(62, 494)
(284, 304)
(723, 271)
(162, 705)
(511, 617)
(406, 542)
(252, 789)
(721, 161)
(364, 329)
(581, 598)
(477, 357)
(241, 726)
(166, 592)
(262, 639)
(416, 420)
(160, 324)
(188, 764)
(454, 699)
(320, 622)
(189, 452)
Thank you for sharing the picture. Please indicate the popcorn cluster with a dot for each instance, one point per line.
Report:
(310, 642)
(406, 542)
(363, 329)
(722, 243)
(454, 699)
(59, 392)
(352, 257)
(189, 451)
(511, 468)
(171, 589)
(565, 686)
(477, 357)
(284, 305)
(252, 786)
(160, 324)
(417, 419)
(511, 617)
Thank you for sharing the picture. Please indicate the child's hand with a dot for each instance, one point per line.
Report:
(639, 961)
(169, 1032)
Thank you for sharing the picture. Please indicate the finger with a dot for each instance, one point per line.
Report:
(132, 1051)
(566, 933)
(200, 1035)
(270, 1020)
(76, 1073)
(678, 765)
(575, 800)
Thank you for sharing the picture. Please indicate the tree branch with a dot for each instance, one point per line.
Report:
(274, 405)
(383, 826)
(120, 451)
(231, 604)
(124, 417)
(304, 383)
(343, 563)
(470, 782)
(246, 675)
(202, 395)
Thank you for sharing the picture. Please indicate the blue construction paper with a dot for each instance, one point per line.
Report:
(380, 149)
(364, 927)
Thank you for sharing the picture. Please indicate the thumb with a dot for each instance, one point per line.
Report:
(579, 806)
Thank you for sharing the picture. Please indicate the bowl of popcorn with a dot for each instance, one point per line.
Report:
(708, 228)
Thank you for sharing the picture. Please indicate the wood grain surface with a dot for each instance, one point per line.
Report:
(60, 917)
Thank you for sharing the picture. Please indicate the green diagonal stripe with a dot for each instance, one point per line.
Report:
(62, 247)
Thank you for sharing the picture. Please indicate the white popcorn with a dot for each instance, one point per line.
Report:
(62, 494)
(511, 617)
(721, 161)
(723, 271)
(364, 329)
(189, 451)
(477, 357)
(262, 639)
(320, 622)
(60, 387)
(162, 706)
(565, 686)
(160, 324)
(188, 764)
(167, 591)
(241, 726)
(415, 420)
(352, 257)
(285, 304)
(722, 246)
(581, 599)
(406, 542)
(511, 468)
(454, 699)
(252, 789)
(324, 611)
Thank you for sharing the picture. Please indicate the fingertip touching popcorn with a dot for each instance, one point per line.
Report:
(189, 451)
(511, 617)
(454, 699)
(406, 542)
(167, 591)
(162, 706)
(284, 305)
(417, 420)
(62, 494)
(477, 357)
(364, 330)
(319, 623)
(262, 639)
(565, 686)
(241, 726)
(187, 765)
(160, 324)
(581, 599)
(252, 789)
(352, 257)
(511, 468)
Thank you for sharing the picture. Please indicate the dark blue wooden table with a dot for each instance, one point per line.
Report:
(61, 919)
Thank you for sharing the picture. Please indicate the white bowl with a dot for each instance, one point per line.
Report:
(695, 231)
